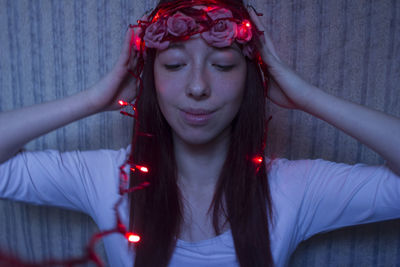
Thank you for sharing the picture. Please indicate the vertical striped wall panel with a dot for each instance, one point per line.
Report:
(349, 48)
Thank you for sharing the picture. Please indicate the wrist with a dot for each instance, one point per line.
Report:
(90, 100)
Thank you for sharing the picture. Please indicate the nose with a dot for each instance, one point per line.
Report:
(198, 86)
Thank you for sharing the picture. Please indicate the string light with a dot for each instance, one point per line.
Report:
(257, 159)
(123, 103)
(133, 238)
(130, 110)
(140, 168)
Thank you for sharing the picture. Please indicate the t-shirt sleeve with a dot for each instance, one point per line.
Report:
(77, 180)
(328, 195)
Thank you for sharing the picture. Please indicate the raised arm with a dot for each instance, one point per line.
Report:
(377, 130)
(17, 127)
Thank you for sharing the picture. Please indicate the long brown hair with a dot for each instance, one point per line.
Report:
(242, 192)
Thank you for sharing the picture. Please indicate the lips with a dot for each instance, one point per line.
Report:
(196, 117)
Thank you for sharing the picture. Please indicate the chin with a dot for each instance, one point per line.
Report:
(202, 138)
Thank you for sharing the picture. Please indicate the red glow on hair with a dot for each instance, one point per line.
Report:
(133, 238)
(140, 168)
(257, 159)
(260, 59)
(144, 169)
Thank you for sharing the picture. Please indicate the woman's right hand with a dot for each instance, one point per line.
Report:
(118, 84)
(287, 89)
(45, 117)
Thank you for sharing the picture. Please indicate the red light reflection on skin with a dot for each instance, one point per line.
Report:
(137, 42)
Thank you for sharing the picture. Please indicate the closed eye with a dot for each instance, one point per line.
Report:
(224, 67)
(172, 66)
(221, 67)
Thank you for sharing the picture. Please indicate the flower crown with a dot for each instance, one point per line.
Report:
(213, 20)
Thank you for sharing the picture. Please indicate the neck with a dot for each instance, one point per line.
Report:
(199, 166)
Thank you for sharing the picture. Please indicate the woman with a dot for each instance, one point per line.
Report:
(200, 102)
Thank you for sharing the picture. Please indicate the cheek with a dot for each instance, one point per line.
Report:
(166, 84)
(166, 95)
(162, 87)
(232, 88)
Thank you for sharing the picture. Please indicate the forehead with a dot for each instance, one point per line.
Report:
(197, 44)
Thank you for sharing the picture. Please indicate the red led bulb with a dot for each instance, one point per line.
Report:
(133, 238)
(122, 103)
(257, 159)
(140, 168)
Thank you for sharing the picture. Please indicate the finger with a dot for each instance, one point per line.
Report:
(260, 26)
(133, 59)
(126, 47)
(278, 97)
(255, 19)
(136, 41)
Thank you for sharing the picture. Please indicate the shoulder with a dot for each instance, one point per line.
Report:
(67, 179)
(288, 178)
(295, 178)
(284, 169)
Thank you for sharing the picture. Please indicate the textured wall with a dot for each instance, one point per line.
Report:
(350, 48)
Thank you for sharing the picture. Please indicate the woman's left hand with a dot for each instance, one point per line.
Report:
(288, 89)
(377, 130)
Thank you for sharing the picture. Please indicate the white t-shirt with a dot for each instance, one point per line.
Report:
(309, 197)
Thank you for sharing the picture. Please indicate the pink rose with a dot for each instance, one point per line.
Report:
(244, 32)
(219, 13)
(223, 33)
(179, 24)
(155, 33)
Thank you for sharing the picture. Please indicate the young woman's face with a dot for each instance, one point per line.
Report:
(199, 88)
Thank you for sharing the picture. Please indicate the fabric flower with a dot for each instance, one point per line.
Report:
(179, 24)
(219, 13)
(223, 33)
(155, 33)
(244, 33)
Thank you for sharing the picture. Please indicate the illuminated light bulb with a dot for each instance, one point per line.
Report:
(132, 237)
(140, 168)
(257, 159)
(248, 24)
(122, 103)
(143, 169)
